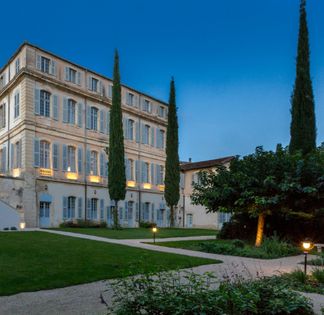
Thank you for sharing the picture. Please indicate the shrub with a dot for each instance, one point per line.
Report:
(318, 274)
(189, 294)
(147, 224)
(299, 276)
(238, 243)
(83, 224)
(275, 247)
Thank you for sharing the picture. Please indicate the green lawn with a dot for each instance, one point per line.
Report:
(31, 261)
(139, 233)
(268, 250)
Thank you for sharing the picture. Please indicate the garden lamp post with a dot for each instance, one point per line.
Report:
(307, 246)
(154, 230)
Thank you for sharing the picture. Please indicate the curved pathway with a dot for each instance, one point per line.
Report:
(86, 298)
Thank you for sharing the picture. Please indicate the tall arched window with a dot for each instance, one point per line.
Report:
(71, 159)
(94, 163)
(44, 154)
(44, 109)
(71, 111)
(94, 118)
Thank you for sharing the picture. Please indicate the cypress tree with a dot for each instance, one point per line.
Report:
(116, 155)
(172, 167)
(303, 124)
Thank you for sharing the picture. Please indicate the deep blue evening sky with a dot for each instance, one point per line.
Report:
(233, 60)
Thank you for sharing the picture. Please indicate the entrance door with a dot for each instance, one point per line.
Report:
(44, 214)
(189, 220)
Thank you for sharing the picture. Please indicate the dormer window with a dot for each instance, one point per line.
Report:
(161, 111)
(45, 65)
(130, 99)
(94, 84)
(146, 106)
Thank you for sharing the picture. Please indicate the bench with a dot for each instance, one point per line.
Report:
(319, 247)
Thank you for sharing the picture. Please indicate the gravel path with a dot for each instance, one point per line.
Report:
(85, 299)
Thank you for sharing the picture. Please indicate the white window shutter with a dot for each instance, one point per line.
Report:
(78, 78)
(53, 67)
(38, 62)
(89, 83)
(65, 207)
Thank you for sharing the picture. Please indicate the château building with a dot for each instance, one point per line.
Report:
(54, 131)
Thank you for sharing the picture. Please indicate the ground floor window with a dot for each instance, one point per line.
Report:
(94, 209)
(44, 209)
(146, 211)
(71, 207)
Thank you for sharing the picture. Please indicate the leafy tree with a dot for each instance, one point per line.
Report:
(172, 167)
(303, 123)
(116, 155)
(265, 183)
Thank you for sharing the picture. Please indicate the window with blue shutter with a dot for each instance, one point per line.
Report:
(80, 160)
(102, 215)
(65, 207)
(80, 106)
(65, 110)
(36, 152)
(80, 208)
(65, 158)
(37, 101)
(55, 156)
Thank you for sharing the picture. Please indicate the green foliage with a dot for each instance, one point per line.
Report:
(318, 274)
(189, 294)
(303, 123)
(172, 165)
(147, 224)
(238, 243)
(265, 182)
(317, 261)
(299, 276)
(116, 154)
(83, 224)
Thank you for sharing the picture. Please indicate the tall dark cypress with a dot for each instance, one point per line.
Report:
(172, 166)
(116, 155)
(303, 123)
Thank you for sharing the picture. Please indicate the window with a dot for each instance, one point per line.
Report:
(2, 81)
(45, 64)
(2, 115)
(44, 154)
(160, 139)
(94, 84)
(161, 111)
(17, 107)
(17, 157)
(146, 211)
(44, 209)
(70, 75)
(94, 163)
(145, 172)
(130, 129)
(130, 99)
(146, 106)
(146, 133)
(44, 105)
(17, 65)
(71, 111)
(160, 175)
(70, 208)
(94, 118)
(110, 88)
(93, 208)
(71, 159)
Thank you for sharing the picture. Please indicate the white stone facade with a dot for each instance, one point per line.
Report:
(54, 129)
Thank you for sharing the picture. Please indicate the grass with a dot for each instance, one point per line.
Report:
(269, 250)
(31, 261)
(140, 233)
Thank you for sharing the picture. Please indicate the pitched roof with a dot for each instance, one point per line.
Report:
(187, 166)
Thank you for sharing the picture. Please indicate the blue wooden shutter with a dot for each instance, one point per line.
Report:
(143, 179)
(12, 155)
(126, 210)
(66, 74)
(106, 165)
(137, 171)
(138, 132)
(89, 215)
(137, 211)
(152, 136)
(4, 160)
(53, 67)
(157, 175)
(102, 164)
(80, 106)
(65, 110)
(152, 174)
(55, 156)
(55, 106)
(128, 169)
(65, 207)
(36, 152)
(101, 121)
(152, 213)
(88, 162)
(80, 160)
(88, 118)
(158, 139)
(38, 62)
(78, 78)
(80, 208)
(65, 157)
(107, 121)
(37, 101)
(102, 209)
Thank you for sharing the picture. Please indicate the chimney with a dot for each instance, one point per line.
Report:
(189, 160)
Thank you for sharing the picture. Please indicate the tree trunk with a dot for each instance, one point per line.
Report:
(115, 212)
(259, 236)
(172, 216)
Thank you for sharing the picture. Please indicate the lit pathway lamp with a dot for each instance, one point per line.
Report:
(154, 230)
(307, 246)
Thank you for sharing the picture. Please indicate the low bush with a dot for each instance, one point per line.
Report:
(147, 224)
(238, 243)
(318, 274)
(190, 294)
(83, 224)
